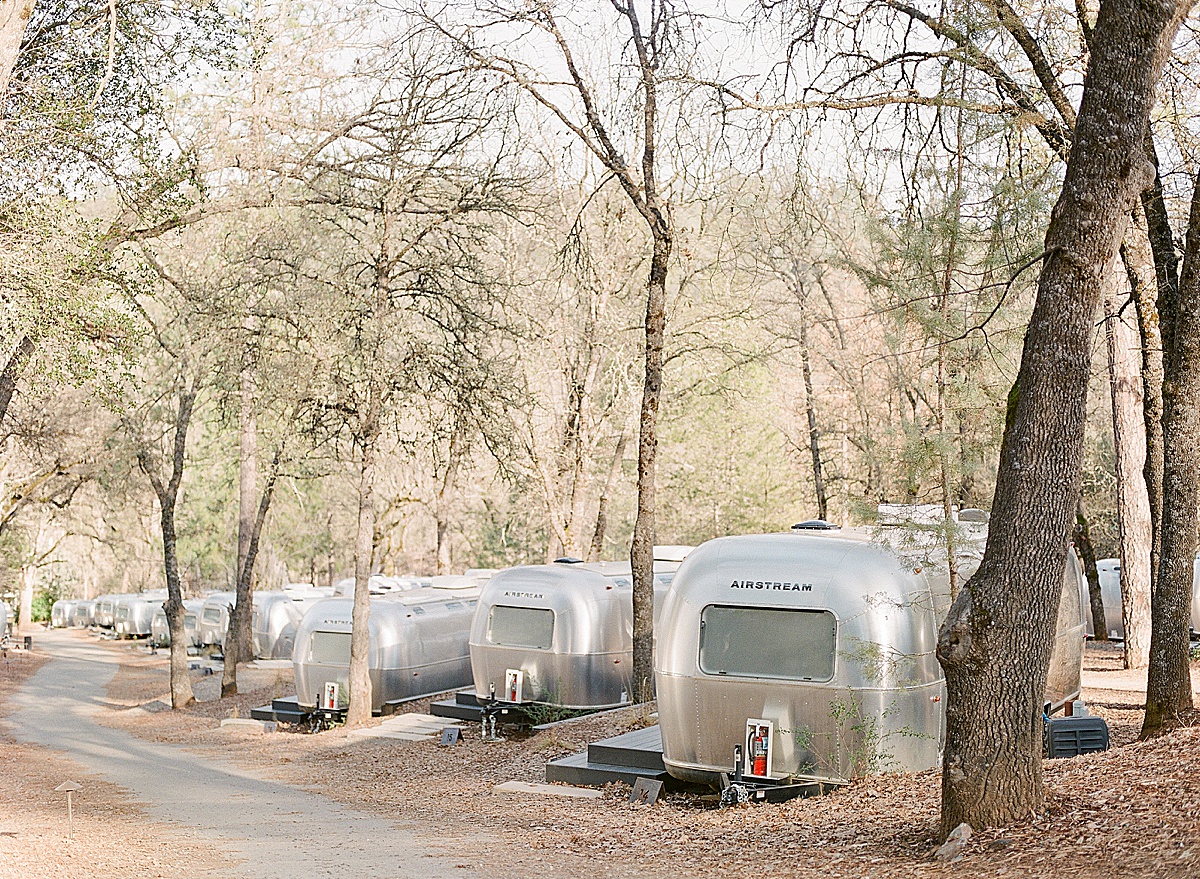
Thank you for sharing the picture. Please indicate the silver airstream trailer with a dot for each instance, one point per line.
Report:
(814, 653)
(561, 634)
(134, 614)
(273, 623)
(418, 643)
(81, 614)
(104, 614)
(60, 613)
(160, 631)
(214, 618)
(1109, 571)
(380, 584)
(5, 621)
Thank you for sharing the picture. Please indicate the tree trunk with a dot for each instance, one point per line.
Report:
(642, 552)
(441, 511)
(1133, 504)
(1087, 554)
(359, 711)
(168, 498)
(596, 552)
(236, 650)
(238, 639)
(995, 643)
(810, 406)
(1147, 281)
(25, 610)
(1148, 298)
(1169, 685)
(14, 15)
(12, 371)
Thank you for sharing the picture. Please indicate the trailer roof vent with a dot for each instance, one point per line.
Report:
(567, 560)
(815, 525)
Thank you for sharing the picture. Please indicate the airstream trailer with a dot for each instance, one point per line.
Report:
(5, 621)
(418, 643)
(814, 653)
(104, 614)
(561, 634)
(382, 585)
(214, 618)
(81, 614)
(134, 614)
(160, 631)
(1109, 571)
(273, 623)
(60, 613)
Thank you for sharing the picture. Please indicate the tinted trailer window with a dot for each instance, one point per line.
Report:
(759, 642)
(330, 648)
(521, 626)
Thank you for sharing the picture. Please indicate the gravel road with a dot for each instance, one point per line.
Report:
(270, 830)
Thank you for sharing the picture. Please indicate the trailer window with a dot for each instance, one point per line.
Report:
(330, 648)
(767, 642)
(521, 626)
(212, 614)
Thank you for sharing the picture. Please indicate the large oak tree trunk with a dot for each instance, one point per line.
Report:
(1169, 686)
(642, 552)
(1133, 504)
(995, 643)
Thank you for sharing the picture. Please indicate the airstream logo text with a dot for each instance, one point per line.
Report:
(511, 594)
(772, 585)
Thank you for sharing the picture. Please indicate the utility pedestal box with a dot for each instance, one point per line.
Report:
(1071, 736)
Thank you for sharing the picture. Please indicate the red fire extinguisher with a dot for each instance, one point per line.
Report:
(760, 755)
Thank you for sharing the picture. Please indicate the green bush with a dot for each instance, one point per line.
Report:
(43, 601)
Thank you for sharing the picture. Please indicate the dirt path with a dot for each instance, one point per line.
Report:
(270, 830)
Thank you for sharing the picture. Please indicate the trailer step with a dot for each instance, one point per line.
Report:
(577, 769)
(627, 757)
(455, 709)
(281, 711)
(640, 749)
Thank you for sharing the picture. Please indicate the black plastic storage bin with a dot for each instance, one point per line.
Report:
(1071, 736)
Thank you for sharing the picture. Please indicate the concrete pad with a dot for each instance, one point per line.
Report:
(377, 733)
(550, 790)
(245, 724)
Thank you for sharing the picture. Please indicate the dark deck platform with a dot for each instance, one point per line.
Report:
(627, 757)
(281, 711)
(464, 706)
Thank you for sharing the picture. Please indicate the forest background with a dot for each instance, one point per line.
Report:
(329, 233)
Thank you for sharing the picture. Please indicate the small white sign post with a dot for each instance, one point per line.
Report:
(69, 787)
